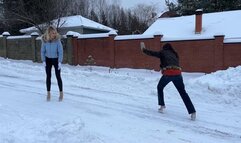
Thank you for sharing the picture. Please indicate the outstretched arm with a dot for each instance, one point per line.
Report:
(149, 52)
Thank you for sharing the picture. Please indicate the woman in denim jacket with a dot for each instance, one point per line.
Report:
(52, 55)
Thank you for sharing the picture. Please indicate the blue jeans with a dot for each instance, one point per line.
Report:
(178, 83)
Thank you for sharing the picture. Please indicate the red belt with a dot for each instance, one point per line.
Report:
(171, 72)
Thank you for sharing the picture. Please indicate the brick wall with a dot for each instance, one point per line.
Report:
(98, 48)
(206, 55)
(195, 55)
(27, 48)
(19, 49)
(113, 51)
(128, 54)
(231, 54)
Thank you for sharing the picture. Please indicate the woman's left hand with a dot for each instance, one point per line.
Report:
(59, 66)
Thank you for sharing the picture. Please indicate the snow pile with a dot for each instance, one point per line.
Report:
(225, 85)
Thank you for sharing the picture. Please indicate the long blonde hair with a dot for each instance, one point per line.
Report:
(46, 36)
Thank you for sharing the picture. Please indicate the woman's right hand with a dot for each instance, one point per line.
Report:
(44, 64)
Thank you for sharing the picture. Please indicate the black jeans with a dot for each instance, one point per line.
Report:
(178, 83)
(49, 63)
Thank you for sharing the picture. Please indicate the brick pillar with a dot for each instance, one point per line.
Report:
(33, 46)
(69, 47)
(157, 41)
(157, 47)
(75, 50)
(5, 45)
(111, 46)
(218, 53)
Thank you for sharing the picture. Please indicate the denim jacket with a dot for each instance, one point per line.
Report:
(52, 49)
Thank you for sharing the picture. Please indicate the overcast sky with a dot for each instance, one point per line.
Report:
(160, 4)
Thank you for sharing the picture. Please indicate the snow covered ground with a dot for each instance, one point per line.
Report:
(103, 105)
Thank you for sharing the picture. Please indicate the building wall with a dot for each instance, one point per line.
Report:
(93, 31)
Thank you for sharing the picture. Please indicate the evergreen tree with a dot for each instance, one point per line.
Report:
(103, 18)
(133, 24)
(221, 5)
(123, 23)
(188, 7)
(93, 16)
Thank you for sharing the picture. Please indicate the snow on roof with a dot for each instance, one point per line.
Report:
(183, 28)
(75, 21)
(96, 35)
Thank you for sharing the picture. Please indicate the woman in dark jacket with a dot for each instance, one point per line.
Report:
(171, 72)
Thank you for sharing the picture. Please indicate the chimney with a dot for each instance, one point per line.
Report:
(198, 22)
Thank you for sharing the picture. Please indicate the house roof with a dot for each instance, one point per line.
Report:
(183, 28)
(74, 21)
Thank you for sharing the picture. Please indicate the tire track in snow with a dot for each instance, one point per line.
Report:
(141, 112)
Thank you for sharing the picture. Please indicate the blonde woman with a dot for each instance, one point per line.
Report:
(52, 55)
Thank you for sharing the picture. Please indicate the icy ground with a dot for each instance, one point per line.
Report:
(103, 105)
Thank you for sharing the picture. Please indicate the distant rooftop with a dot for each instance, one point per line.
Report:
(75, 21)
